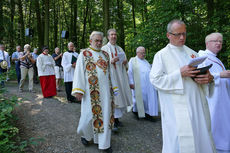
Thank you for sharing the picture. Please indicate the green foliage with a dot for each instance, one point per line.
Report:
(151, 18)
(8, 131)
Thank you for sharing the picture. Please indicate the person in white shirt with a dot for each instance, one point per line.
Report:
(68, 63)
(5, 63)
(45, 65)
(15, 58)
(219, 102)
(145, 99)
(185, 114)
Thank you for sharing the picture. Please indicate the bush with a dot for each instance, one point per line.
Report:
(8, 131)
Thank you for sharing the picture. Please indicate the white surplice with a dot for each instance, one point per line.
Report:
(119, 73)
(45, 65)
(219, 102)
(184, 108)
(81, 85)
(145, 88)
(67, 65)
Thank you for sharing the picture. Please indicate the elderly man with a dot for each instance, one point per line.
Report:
(185, 113)
(26, 66)
(219, 102)
(119, 63)
(145, 100)
(4, 63)
(15, 58)
(68, 63)
(57, 56)
(94, 86)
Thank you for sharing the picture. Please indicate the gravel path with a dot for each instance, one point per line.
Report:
(55, 122)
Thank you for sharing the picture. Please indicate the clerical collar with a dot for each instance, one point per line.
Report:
(70, 51)
(210, 52)
(173, 46)
(111, 44)
(96, 50)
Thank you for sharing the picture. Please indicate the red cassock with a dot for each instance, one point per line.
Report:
(48, 85)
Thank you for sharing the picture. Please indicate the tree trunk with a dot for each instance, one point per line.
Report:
(75, 38)
(134, 20)
(210, 6)
(21, 24)
(106, 15)
(11, 31)
(121, 24)
(84, 24)
(39, 24)
(55, 22)
(46, 31)
(1, 21)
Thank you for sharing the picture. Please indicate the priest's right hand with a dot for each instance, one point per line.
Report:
(79, 96)
(131, 86)
(114, 60)
(188, 71)
(74, 65)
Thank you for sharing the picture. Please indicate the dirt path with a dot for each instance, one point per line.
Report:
(55, 121)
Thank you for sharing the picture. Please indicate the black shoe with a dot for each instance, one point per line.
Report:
(84, 141)
(109, 150)
(150, 118)
(115, 128)
(118, 123)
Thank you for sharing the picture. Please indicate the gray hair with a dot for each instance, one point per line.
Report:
(139, 49)
(169, 26)
(95, 33)
(27, 46)
(35, 49)
(208, 37)
(108, 32)
(70, 43)
(56, 48)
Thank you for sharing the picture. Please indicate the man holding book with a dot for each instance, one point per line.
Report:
(68, 63)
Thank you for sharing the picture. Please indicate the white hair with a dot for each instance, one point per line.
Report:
(70, 43)
(27, 47)
(95, 33)
(169, 26)
(108, 32)
(139, 49)
(56, 48)
(208, 37)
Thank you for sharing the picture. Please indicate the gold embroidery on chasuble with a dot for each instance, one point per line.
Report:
(101, 63)
(97, 119)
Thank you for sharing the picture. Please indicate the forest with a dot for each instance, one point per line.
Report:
(138, 23)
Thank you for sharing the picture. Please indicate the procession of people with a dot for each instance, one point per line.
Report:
(192, 102)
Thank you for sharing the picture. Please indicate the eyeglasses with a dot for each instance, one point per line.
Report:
(220, 41)
(142, 53)
(178, 34)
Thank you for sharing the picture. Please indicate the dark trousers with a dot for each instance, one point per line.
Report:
(18, 71)
(2, 79)
(68, 90)
(35, 73)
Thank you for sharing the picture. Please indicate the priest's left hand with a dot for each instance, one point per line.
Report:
(79, 96)
(204, 78)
